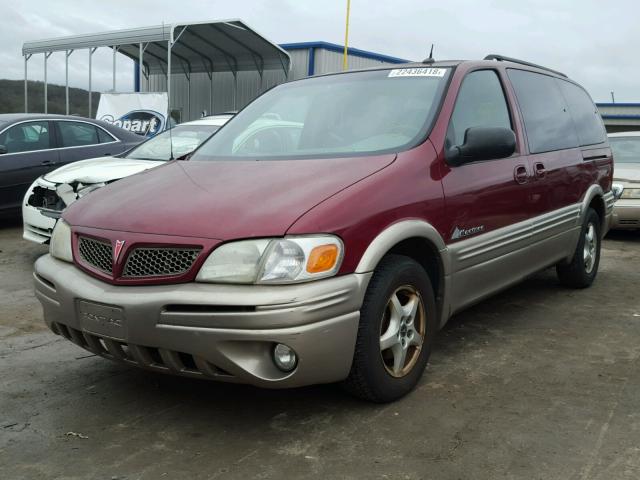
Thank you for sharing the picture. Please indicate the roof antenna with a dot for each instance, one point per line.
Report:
(429, 60)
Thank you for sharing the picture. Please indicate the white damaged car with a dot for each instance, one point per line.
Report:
(50, 194)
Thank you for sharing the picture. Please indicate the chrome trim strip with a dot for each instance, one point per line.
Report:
(487, 263)
(490, 241)
(556, 222)
(483, 280)
(483, 248)
(609, 201)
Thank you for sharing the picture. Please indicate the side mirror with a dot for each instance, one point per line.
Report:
(483, 143)
(3, 150)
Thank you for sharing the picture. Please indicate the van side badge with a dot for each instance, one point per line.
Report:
(466, 232)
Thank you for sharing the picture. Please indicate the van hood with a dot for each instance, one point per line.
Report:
(98, 170)
(220, 199)
(627, 171)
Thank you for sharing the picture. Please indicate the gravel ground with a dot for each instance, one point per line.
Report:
(539, 382)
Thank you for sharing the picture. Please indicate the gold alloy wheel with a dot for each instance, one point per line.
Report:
(402, 331)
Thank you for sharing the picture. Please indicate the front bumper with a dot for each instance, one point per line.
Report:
(222, 332)
(37, 227)
(626, 215)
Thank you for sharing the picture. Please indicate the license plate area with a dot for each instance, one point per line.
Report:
(101, 319)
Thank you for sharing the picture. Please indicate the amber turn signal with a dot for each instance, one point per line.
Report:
(322, 258)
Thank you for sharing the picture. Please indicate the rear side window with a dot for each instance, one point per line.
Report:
(480, 103)
(585, 115)
(547, 120)
(26, 137)
(103, 136)
(77, 134)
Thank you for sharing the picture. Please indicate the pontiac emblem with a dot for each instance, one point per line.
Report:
(117, 249)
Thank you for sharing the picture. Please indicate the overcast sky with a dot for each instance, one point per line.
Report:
(595, 42)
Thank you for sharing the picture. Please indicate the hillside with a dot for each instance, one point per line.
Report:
(12, 98)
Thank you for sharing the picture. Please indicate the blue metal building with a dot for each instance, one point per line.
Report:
(620, 117)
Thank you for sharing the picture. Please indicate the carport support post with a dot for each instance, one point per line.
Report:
(46, 97)
(189, 96)
(169, 84)
(91, 51)
(46, 57)
(115, 50)
(211, 94)
(140, 66)
(66, 80)
(26, 83)
(235, 90)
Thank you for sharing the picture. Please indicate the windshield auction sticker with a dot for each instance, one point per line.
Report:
(418, 72)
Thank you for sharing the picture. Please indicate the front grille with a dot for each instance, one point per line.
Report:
(96, 253)
(156, 262)
(629, 222)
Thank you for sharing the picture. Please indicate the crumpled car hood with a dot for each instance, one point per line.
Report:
(99, 170)
(221, 199)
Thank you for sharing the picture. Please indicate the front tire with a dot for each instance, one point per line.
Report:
(581, 271)
(398, 323)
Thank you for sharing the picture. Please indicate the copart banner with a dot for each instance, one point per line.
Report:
(141, 113)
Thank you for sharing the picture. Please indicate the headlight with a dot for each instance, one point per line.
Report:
(630, 193)
(236, 262)
(274, 261)
(60, 246)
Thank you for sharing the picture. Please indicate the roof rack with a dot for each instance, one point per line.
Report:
(502, 58)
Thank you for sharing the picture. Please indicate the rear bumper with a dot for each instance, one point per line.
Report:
(626, 215)
(223, 332)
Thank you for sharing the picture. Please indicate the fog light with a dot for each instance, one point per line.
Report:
(284, 357)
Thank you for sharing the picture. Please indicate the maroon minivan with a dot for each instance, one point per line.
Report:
(331, 228)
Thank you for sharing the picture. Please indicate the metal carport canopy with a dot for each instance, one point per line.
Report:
(214, 46)
(219, 46)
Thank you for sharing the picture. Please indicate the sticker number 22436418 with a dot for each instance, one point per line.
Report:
(417, 72)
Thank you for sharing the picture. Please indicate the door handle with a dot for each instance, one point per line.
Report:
(46, 163)
(540, 170)
(520, 174)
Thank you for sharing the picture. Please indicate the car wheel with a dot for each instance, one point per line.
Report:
(398, 323)
(581, 271)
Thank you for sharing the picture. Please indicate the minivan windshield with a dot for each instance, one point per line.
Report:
(335, 115)
(625, 149)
